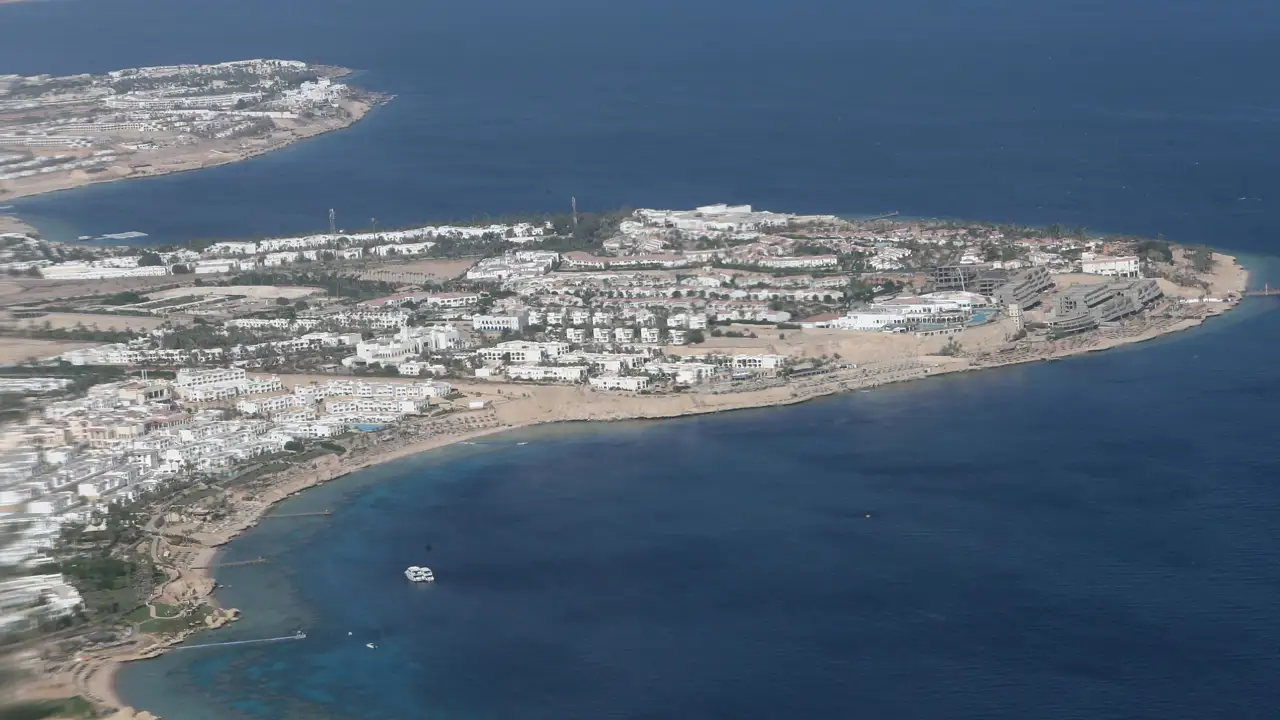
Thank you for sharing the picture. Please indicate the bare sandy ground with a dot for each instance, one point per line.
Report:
(16, 350)
(418, 271)
(34, 290)
(11, 224)
(69, 320)
(257, 292)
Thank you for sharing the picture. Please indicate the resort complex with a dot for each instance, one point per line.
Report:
(159, 399)
(63, 132)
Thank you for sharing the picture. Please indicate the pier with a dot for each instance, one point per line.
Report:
(1266, 290)
(297, 515)
(885, 216)
(255, 561)
(285, 638)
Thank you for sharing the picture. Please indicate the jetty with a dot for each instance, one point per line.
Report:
(281, 516)
(284, 638)
(882, 216)
(255, 561)
(1266, 290)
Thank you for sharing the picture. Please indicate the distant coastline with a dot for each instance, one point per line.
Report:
(358, 109)
(211, 151)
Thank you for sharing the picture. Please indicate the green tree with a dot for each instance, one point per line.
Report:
(1202, 259)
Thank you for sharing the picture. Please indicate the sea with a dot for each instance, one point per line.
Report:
(1080, 540)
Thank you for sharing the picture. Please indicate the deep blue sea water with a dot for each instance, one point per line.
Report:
(1149, 116)
(1086, 539)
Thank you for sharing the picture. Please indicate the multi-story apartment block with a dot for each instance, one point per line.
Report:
(1127, 266)
(556, 373)
(629, 383)
(498, 323)
(210, 385)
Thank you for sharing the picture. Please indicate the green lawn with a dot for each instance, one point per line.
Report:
(166, 611)
(137, 615)
(105, 602)
(175, 624)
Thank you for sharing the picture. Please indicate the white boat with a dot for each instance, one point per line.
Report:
(419, 574)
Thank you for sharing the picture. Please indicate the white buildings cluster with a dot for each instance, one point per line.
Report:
(424, 237)
(94, 270)
(1124, 267)
(405, 346)
(932, 311)
(141, 109)
(33, 386)
(28, 602)
(142, 351)
(125, 439)
(514, 265)
(631, 369)
(239, 256)
(345, 403)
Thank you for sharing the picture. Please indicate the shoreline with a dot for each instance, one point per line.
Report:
(515, 406)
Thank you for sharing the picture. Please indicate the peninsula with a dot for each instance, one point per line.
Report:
(157, 402)
(58, 133)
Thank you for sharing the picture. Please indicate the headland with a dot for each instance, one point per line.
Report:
(60, 133)
(744, 310)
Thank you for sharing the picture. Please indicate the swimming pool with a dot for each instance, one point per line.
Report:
(981, 316)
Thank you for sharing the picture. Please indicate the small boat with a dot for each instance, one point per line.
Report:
(522, 443)
(419, 574)
(371, 646)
